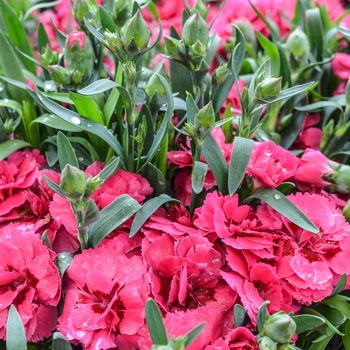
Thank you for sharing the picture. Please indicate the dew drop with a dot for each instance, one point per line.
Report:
(49, 85)
(6, 100)
(2, 87)
(277, 196)
(63, 256)
(81, 159)
(89, 125)
(110, 131)
(268, 153)
(75, 120)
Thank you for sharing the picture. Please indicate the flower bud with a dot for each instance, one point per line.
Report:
(79, 52)
(59, 74)
(195, 29)
(298, 44)
(340, 178)
(73, 180)
(268, 89)
(48, 57)
(266, 343)
(174, 48)
(206, 117)
(346, 211)
(80, 10)
(92, 184)
(197, 49)
(287, 346)
(136, 29)
(221, 73)
(200, 8)
(280, 327)
(153, 84)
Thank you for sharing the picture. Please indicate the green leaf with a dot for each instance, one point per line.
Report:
(239, 313)
(166, 120)
(87, 107)
(240, 156)
(155, 323)
(55, 122)
(59, 342)
(13, 105)
(56, 188)
(63, 261)
(147, 210)
(98, 86)
(66, 154)
(216, 162)
(198, 176)
(111, 168)
(322, 343)
(17, 34)
(10, 146)
(83, 123)
(339, 302)
(193, 334)
(15, 334)
(346, 338)
(340, 285)
(112, 216)
(234, 65)
(314, 31)
(261, 316)
(11, 69)
(307, 322)
(318, 105)
(273, 53)
(285, 207)
(107, 20)
(192, 109)
(42, 38)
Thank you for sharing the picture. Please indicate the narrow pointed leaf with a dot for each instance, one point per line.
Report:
(307, 322)
(340, 285)
(261, 316)
(216, 162)
(107, 20)
(56, 188)
(273, 53)
(198, 176)
(239, 313)
(285, 207)
(155, 323)
(42, 38)
(98, 86)
(111, 168)
(147, 210)
(112, 216)
(83, 123)
(63, 261)
(10, 146)
(193, 334)
(55, 122)
(240, 156)
(66, 154)
(192, 109)
(15, 334)
(16, 106)
(60, 342)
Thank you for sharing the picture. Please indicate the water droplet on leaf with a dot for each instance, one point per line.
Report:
(277, 196)
(75, 120)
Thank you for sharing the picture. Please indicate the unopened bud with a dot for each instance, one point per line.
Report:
(298, 44)
(92, 184)
(59, 74)
(268, 89)
(200, 8)
(73, 180)
(136, 29)
(194, 29)
(198, 49)
(266, 343)
(48, 57)
(280, 327)
(206, 117)
(80, 10)
(221, 73)
(346, 211)
(153, 84)
(340, 178)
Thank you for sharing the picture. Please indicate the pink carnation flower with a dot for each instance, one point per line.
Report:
(29, 280)
(240, 338)
(270, 164)
(310, 265)
(105, 298)
(313, 166)
(185, 274)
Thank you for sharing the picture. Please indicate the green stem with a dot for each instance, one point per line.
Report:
(82, 232)
(196, 158)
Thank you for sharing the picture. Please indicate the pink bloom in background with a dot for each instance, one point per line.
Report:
(309, 136)
(105, 298)
(313, 165)
(341, 65)
(185, 274)
(270, 164)
(309, 266)
(240, 338)
(29, 280)
(233, 97)
(122, 182)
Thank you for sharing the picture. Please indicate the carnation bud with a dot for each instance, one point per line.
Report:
(73, 180)
(280, 327)
(92, 184)
(174, 48)
(197, 49)
(346, 211)
(266, 343)
(136, 29)
(200, 8)
(287, 346)
(79, 52)
(298, 44)
(48, 57)
(340, 178)
(59, 74)
(80, 10)
(268, 89)
(221, 73)
(195, 29)
(206, 117)
(153, 84)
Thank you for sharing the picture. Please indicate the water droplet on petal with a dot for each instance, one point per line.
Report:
(75, 120)
(268, 153)
(277, 196)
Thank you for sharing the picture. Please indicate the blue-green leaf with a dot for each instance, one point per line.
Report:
(59, 342)
(193, 334)
(63, 261)
(261, 316)
(307, 322)
(112, 216)
(239, 314)
(10, 146)
(66, 154)
(55, 122)
(240, 156)
(15, 334)
(198, 176)
(155, 323)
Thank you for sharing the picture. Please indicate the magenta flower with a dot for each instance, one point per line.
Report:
(105, 298)
(310, 265)
(270, 164)
(29, 280)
